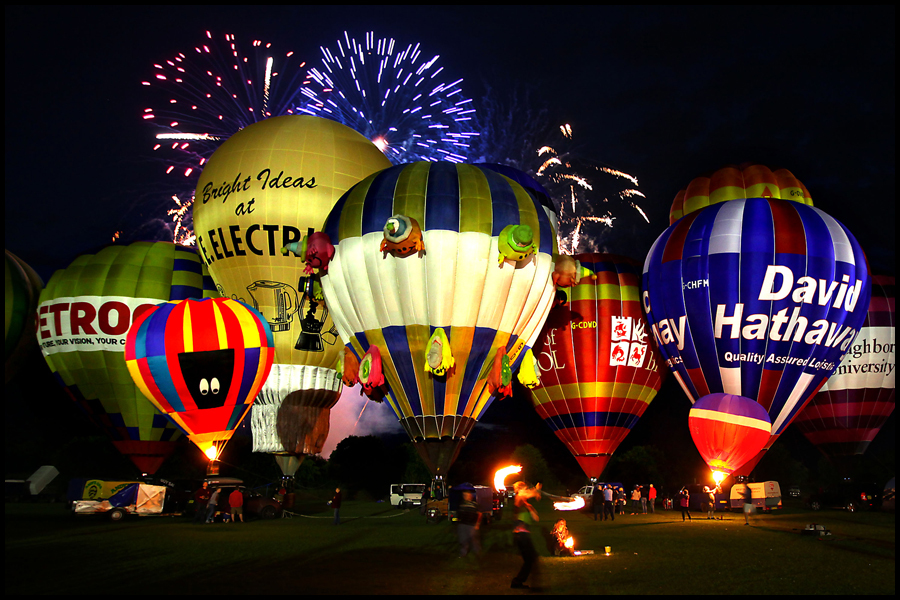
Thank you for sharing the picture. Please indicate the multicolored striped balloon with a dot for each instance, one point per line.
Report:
(858, 398)
(728, 431)
(396, 300)
(202, 363)
(83, 317)
(599, 368)
(758, 298)
(730, 183)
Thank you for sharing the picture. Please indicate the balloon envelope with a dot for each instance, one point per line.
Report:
(728, 430)
(262, 191)
(22, 286)
(202, 363)
(83, 317)
(758, 298)
(397, 301)
(599, 368)
(850, 409)
(733, 182)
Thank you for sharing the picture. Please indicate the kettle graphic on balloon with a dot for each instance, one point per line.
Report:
(279, 303)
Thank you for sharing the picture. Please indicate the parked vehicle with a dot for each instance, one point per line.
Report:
(766, 495)
(407, 495)
(255, 504)
(848, 496)
(587, 492)
(484, 497)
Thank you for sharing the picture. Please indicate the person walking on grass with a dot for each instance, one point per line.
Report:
(211, 505)
(469, 521)
(747, 495)
(684, 501)
(526, 517)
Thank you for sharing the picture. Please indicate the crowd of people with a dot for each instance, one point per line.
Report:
(609, 500)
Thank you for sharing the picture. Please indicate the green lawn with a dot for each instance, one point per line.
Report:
(379, 550)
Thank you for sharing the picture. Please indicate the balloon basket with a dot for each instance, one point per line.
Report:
(212, 468)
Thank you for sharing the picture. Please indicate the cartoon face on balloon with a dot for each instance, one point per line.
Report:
(207, 375)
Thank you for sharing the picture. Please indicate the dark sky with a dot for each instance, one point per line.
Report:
(665, 94)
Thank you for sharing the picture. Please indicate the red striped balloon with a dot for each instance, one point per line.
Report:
(599, 369)
(850, 409)
(728, 430)
(202, 363)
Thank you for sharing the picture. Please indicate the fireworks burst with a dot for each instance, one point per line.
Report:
(586, 195)
(393, 97)
(204, 96)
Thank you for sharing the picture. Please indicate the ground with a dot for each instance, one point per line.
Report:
(380, 550)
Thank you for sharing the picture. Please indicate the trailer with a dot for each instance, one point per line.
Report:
(126, 498)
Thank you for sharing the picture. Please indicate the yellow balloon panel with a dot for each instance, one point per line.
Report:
(263, 189)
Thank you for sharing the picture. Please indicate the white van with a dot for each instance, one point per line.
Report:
(407, 495)
(766, 495)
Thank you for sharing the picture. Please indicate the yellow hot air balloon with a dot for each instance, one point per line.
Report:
(260, 196)
(749, 180)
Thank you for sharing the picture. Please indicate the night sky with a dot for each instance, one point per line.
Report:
(665, 94)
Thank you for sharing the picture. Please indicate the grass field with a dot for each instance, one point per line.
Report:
(380, 550)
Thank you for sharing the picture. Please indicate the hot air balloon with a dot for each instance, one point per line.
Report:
(599, 369)
(259, 200)
(857, 399)
(486, 302)
(728, 431)
(22, 287)
(84, 314)
(529, 183)
(202, 363)
(758, 298)
(745, 181)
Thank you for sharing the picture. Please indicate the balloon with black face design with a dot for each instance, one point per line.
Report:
(202, 363)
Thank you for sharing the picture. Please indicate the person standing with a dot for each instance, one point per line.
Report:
(526, 516)
(201, 500)
(211, 505)
(652, 498)
(608, 503)
(597, 500)
(236, 502)
(710, 502)
(635, 498)
(643, 500)
(469, 521)
(620, 506)
(335, 503)
(684, 501)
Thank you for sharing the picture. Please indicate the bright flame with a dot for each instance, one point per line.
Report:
(575, 504)
(719, 476)
(570, 542)
(211, 453)
(502, 474)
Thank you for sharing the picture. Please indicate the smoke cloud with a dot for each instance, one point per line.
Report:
(346, 420)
